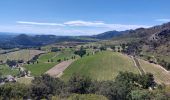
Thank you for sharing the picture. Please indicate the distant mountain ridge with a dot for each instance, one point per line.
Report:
(154, 35)
(107, 35)
(153, 42)
(26, 41)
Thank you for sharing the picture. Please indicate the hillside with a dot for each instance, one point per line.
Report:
(101, 66)
(153, 42)
(108, 35)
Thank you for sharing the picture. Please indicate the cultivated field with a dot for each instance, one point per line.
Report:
(57, 70)
(160, 74)
(45, 63)
(101, 66)
(20, 55)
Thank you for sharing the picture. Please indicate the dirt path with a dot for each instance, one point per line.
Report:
(137, 64)
(58, 69)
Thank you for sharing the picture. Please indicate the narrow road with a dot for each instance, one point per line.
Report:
(58, 69)
(137, 64)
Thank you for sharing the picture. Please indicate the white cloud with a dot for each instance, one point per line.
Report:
(77, 27)
(84, 23)
(163, 20)
(38, 23)
(105, 25)
(81, 23)
(61, 31)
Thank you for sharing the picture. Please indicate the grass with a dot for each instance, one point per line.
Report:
(160, 75)
(47, 56)
(23, 80)
(40, 68)
(43, 65)
(101, 66)
(5, 70)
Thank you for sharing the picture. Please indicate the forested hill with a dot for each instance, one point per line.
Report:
(108, 35)
(24, 41)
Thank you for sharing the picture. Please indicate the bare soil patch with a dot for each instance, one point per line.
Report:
(58, 69)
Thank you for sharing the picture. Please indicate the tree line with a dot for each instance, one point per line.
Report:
(126, 86)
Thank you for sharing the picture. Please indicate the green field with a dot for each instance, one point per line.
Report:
(101, 66)
(20, 55)
(43, 65)
(5, 70)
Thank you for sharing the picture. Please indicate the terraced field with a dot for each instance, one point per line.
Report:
(160, 74)
(101, 66)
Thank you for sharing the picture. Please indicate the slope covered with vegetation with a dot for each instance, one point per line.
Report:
(101, 66)
(148, 43)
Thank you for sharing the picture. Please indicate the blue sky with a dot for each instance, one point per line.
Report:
(80, 17)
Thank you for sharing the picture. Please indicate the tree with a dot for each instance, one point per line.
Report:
(40, 91)
(123, 47)
(59, 60)
(113, 48)
(55, 84)
(20, 61)
(102, 48)
(45, 85)
(80, 52)
(11, 63)
(147, 95)
(146, 81)
(79, 84)
(14, 91)
(133, 48)
(140, 95)
(1, 79)
(55, 49)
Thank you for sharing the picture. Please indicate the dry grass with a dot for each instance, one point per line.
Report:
(160, 74)
(20, 55)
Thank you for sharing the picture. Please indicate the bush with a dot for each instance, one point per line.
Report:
(102, 48)
(140, 95)
(13, 91)
(55, 49)
(79, 84)
(80, 52)
(11, 63)
(86, 97)
(44, 86)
